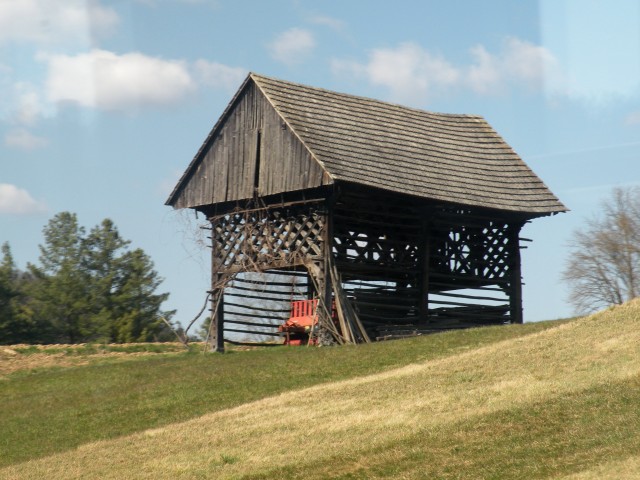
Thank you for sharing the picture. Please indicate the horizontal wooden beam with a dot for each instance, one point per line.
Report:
(253, 315)
(249, 332)
(252, 324)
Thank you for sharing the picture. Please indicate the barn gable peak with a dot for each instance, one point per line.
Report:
(251, 151)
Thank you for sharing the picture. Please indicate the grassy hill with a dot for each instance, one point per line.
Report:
(551, 400)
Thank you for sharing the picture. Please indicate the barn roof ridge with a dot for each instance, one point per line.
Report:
(259, 76)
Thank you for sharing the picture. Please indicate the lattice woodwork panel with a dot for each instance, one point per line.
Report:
(496, 260)
(476, 249)
(258, 240)
(380, 249)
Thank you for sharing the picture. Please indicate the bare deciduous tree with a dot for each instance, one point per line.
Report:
(604, 264)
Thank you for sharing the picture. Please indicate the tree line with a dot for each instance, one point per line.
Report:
(603, 265)
(87, 286)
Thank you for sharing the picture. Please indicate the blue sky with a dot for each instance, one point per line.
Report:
(105, 103)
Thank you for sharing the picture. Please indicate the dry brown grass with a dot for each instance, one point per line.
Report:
(20, 358)
(11, 361)
(629, 468)
(337, 420)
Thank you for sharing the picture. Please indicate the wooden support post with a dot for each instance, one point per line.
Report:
(216, 337)
(328, 252)
(515, 274)
(424, 255)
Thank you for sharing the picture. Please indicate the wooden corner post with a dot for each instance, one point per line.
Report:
(515, 273)
(327, 248)
(216, 329)
(217, 321)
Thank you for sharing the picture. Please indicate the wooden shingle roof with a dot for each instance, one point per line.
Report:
(454, 158)
(448, 157)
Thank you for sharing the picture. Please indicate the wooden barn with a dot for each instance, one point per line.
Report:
(392, 221)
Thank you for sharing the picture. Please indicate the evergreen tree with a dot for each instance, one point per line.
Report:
(8, 292)
(138, 302)
(125, 307)
(17, 324)
(86, 288)
(61, 291)
(104, 263)
(6, 284)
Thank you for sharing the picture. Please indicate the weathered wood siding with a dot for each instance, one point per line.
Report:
(252, 132)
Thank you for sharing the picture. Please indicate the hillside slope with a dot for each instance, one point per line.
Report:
(54, 403)
(551, 404)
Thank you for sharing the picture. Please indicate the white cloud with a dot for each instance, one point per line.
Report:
(331, 22)
(218, 75)
(105, 80)
(633, 118)
(292, 46)
(54, 22)
(22, 104)
(518, 63)
(414, 74)
(28, 106)
(528, 62)
(411, 73)
(155, 3)
(16, 201)
(24, 140)
(108, 81)
(485, 74)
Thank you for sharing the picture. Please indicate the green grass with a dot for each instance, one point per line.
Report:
(542, 440)
(56, 409)
(540, 401)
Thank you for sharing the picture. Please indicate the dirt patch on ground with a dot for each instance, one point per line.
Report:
(15, 358)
